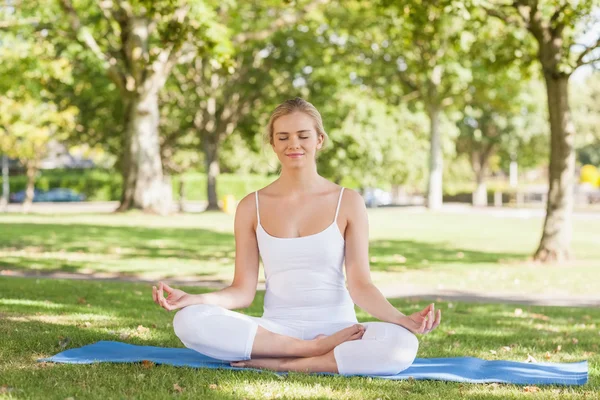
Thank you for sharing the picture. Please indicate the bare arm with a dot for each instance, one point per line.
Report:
(241, 292)
(362, 290)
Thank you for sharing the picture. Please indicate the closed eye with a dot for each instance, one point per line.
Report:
(301, 137)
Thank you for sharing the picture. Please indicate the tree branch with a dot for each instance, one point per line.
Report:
(285, 19)
(587, 51)
(84, 36)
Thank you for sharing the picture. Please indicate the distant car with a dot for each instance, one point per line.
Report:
(52, 195)
(19, 197)
(375, 197)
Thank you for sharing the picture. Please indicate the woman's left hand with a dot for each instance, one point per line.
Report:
(422, 322)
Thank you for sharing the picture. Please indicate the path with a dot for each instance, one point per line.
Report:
(396, 291)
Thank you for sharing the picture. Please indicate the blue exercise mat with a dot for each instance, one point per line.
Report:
(459, 369)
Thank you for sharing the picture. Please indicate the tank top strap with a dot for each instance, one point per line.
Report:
(257, 213)
(337, 210)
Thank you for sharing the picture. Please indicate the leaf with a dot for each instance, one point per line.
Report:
(530, 359)
(558, 348)
(548, 355)
(63, 342)
(81, 300)
(124, 335)
(531, 389)
(142, 329)
(212, 386)
(493, 351)
(574, 340)
(177, 388)
(506, 348)
(147, 364)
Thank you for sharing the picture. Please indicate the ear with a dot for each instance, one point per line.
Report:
(320, 141)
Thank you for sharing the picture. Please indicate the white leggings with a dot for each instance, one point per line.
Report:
(385, 348)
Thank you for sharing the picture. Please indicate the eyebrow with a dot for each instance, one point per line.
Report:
(287, 133)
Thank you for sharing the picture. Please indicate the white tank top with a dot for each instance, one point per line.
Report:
(304, 275)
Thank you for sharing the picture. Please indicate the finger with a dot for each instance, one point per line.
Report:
(430, 319)
(438, 319)
(167, 288)
(165, 304)
(425, 311)
(160, 291)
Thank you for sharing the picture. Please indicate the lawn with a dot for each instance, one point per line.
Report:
(39, 317)
(408, 247)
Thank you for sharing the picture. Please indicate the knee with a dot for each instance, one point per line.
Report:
(187, 319)
(402, 352)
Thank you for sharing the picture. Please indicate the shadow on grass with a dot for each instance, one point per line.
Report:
(398, 255)
(30, 243)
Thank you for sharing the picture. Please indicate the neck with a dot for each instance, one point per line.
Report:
(299, 180)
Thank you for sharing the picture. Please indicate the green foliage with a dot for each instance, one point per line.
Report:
(105, 185)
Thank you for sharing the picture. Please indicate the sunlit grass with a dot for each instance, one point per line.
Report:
(39, 318)
(425, 250)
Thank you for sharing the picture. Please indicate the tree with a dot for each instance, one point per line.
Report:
(556, 27)
(414, 52)
(31, 116)
(138, 43)
(500, 107)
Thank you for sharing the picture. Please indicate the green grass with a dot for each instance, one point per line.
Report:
(37, 314)
(425, 250)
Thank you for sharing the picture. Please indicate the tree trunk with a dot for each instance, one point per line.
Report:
(5, 183)
(556, 237)
(479, 160)
(30, 190)
(143, 184)
(436, 162)
(480, 193)
(211, 162)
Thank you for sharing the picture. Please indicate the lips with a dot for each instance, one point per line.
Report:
(295, 155)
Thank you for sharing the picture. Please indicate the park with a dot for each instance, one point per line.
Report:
(135, 136)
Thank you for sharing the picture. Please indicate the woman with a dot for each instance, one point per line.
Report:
(303, 227)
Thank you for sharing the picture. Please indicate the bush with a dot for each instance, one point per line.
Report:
(105, 185)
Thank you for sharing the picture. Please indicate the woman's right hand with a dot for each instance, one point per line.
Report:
(176, 298)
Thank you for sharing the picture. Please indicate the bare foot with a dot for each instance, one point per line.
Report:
(273, 364)
(324, 344)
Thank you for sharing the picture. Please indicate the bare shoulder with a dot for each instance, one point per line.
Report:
(246, 208)
(352, 199)
(352, 204)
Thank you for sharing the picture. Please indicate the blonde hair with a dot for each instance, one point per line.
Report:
(296, 105)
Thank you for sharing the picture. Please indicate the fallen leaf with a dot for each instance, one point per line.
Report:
(530, 358)
(63, 342)
(539, 316)
(452, 332)
(142, 329)
(518, 311)
(87, 324)
(460, 254)
(548, 355)
(574, 340)
(212, 386)
(177, 388)
(138, 292)
(6, 389)
(531, 389)
(558, 348)
(81, 300)
(506, 348)
(147, 364)
(493, 351)
(124, 335)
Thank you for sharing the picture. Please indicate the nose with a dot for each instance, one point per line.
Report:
(294, 142)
